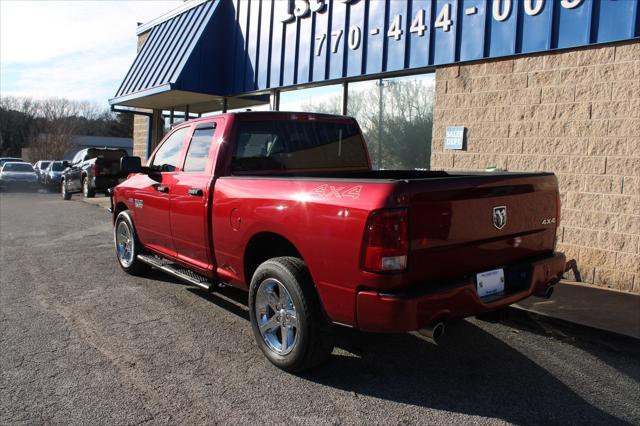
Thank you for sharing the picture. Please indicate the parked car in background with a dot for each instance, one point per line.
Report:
(53, 173)
(39, 167)
(92, 170)
(12, 159)
(287, 207)
(18, 175)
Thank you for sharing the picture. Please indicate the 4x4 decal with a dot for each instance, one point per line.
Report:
(326, 191)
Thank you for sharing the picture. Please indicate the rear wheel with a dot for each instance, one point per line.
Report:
(87, 190)
(66, 195)
(286, 316)
(127, 245)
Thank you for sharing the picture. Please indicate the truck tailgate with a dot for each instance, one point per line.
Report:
(468, 224)
(107, 166)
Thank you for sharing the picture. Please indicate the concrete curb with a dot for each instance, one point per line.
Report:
(102, 202)
(567, 329)
(597, 308)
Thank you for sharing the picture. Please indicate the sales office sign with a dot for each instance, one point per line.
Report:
(501, 9)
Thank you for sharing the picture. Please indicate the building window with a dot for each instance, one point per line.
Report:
(325, 99)
(396, 117)
(257, 107)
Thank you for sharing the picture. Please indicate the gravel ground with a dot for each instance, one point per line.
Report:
(84, 343)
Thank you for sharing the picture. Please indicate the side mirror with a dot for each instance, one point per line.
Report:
(130, 165)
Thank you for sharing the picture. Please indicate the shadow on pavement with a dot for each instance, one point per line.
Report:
(473, 372)
(231, 299)
(613, 349)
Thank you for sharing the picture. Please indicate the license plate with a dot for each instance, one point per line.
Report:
(490, 283)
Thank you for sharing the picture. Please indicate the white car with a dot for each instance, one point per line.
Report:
(14, 174)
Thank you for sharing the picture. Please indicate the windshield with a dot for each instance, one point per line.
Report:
(9, 159)
(57, 167)
(17, 167)
(280, 145)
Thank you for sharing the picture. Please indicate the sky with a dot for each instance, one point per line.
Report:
(79, 49)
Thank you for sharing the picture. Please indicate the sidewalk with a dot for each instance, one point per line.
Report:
(589, 306)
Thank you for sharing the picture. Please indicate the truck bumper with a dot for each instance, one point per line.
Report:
(102, 183)
(412, 310)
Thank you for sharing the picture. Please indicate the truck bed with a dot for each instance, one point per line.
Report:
(451, 228)
(386, 176)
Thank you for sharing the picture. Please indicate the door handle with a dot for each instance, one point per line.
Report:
(196, 192)
(162, 188)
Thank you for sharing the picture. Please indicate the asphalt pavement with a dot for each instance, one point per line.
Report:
(81, 342)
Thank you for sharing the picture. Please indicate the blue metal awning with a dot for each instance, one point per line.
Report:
(207, 50)
(170, 67)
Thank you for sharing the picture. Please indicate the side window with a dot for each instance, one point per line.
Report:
(199, 148)
(167, 156)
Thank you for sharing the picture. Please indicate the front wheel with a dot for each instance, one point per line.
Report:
(127, 245)
(66, 195)
(286, 316)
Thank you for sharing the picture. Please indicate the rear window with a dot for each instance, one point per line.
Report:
(44, 164)
(280, 145)
(109, 154)
(17, 167)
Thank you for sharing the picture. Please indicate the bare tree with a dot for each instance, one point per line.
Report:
(46, 126)
(56, 130)
(17, 121)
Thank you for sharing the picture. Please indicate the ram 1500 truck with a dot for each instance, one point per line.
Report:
(287, 207)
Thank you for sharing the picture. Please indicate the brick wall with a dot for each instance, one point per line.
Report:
(574, 113)
(140, 130)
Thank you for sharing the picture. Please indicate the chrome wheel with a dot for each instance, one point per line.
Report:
(85, 187)
(124, 244)
(276, 315)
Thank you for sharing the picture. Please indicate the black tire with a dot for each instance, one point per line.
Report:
(87, 190)
(314, 341)
(66, 195)
(135, 266)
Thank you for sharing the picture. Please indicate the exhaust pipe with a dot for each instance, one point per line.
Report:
(546, 293)
(433, 333)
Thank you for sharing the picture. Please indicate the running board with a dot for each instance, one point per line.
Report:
(177, 271)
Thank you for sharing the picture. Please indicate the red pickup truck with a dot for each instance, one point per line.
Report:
(287, 207)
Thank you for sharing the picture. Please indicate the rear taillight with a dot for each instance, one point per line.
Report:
(96, 170)
(386, 241)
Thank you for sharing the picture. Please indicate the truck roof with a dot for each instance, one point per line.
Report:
(269, 115)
